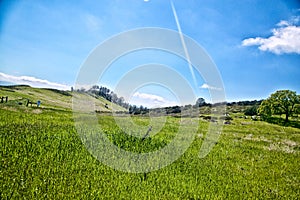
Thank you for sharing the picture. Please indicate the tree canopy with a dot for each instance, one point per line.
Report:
(281, 102)
(200, 102)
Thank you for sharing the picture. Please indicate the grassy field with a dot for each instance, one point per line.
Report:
(51, 98)
(42, 157)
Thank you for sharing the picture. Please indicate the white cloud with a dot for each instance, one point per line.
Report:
(32, 81)
(150, 100)
(283, 23)
(206, 86)
(284, 39)
(151, 97)
(295, 20)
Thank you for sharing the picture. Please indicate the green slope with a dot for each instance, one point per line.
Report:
(43, 157)
(50, 98)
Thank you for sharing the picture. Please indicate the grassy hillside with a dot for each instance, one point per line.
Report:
(51, 98)
(43, 157)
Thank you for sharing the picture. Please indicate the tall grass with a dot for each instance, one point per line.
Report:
(43, 157)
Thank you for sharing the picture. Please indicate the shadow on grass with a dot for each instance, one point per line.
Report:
(282, 122)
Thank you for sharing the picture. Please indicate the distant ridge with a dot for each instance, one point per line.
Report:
(15, 85)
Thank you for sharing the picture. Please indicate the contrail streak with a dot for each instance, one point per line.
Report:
(183, 44)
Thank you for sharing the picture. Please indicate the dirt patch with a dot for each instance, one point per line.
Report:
(37, 111)
(258, 139)
(246, 123)
(287, 146)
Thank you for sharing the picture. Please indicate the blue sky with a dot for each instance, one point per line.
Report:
(255, 44)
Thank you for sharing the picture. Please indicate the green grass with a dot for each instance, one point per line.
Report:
(50, 98)
(43, 157)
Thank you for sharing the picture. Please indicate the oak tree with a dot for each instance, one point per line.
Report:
(281, 102)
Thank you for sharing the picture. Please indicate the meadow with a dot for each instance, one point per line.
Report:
(42, 157)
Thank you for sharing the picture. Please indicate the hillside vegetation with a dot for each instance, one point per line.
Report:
(52, 98)
(43, 156)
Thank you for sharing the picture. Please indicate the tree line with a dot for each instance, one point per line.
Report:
(106, 93)
(280, 102)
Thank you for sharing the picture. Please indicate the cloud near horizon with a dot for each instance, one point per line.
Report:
(284, 39)
(32, 81)
(150, 100)
(206, 86)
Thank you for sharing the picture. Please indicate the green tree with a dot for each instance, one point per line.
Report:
(200, 102)
(264, 110)
(251, 111)
(280, 102)
(297, 109)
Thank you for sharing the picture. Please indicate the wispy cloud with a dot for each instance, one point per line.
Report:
(150, 100)
(92, 22)
(32, 81)
(183, 43)
(206, 86)
(284, 39)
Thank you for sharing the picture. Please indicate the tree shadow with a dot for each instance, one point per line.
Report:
(282, 122)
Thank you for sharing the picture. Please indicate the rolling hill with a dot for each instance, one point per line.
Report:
(19, 95)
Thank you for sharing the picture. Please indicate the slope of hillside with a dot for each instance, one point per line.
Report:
(51, 98)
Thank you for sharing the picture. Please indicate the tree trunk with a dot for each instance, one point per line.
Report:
(286, 117)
